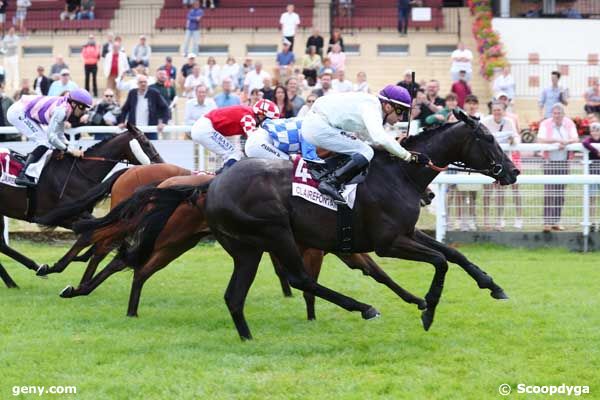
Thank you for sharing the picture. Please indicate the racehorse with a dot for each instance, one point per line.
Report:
(250, 210)
(63, 180)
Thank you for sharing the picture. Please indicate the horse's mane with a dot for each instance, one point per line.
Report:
(426, 134)
(101, 143)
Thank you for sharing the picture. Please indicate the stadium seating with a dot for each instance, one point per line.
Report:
(44, 15)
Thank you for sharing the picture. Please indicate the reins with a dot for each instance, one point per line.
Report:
(459, 168)
(104, 159)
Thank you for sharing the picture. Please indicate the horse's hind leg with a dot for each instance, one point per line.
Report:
(85, 256)
(6, 278)
(90, 285)
(279, 271)
(484, 281)
(12, 253)
(313, 260)
(370, 268)
(81, 243)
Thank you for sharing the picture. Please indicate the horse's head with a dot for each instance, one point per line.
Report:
(140, 149)
(481, 151)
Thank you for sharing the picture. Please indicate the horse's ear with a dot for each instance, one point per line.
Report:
(463, 116)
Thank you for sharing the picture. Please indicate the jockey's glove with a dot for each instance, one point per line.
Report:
(419, 158)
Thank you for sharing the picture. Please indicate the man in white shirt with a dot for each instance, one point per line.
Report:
(255, 78)
(340, 84)
(199, 106)
(289, 21)
(461, 61)
(192, 81)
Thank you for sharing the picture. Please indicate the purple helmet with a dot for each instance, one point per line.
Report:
(81, 96)
(396, 95)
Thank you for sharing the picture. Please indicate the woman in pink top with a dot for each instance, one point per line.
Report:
(337, 57)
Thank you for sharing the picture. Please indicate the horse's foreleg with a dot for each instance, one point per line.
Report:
(85, 257)
(90, 285)
(81, 243)
(370, 268)
(279, 271)
(6, 278)
(406, 248)
(313, 260)
(12, 253)
(484, 281)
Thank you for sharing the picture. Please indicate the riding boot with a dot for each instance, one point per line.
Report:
(32, 158)
(227, 164)
(332, 184)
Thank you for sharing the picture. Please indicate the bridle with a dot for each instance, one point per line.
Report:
(137, 135)
(495, 168)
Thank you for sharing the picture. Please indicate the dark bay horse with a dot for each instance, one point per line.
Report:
(64, 179)
(250, 210)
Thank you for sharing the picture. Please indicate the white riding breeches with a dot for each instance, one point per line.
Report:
(28, 127)
(317, 131)
(260, 145)
(205, 134)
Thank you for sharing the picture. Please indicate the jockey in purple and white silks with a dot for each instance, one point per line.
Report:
(30, 113)
(349, 123)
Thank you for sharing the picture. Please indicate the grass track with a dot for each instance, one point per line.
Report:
(184, 345)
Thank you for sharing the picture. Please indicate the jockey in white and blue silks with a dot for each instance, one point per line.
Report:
(278, 139)
(30, 113)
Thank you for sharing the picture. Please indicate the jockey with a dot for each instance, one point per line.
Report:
(343, 122)
(210, 130)
(30, 112)
(278, 138)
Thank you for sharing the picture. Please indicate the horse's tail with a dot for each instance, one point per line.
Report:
(85, 203)
(140, 244)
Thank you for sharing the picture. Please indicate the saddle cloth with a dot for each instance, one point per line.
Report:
(304, 185)
(11, 164)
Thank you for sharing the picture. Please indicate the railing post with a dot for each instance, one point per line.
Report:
(5, 233)
(440, 215)
(586, 201)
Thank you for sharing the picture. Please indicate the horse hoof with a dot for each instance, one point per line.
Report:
(370, 313)
(67, 292)
(42, 271)
(499, 294)
(427, 318)
(422, 305)
(132, 315)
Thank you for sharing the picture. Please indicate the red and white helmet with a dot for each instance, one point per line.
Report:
(266, 108)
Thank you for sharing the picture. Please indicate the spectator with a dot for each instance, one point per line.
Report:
(592, 98)
(192, 28)
(571, 12)
(90, 53)
(311, 62)
(503, 98)
(472, 106)
(324, 86)
(59, 65)
(198, 106)
(115, 65)
(361, 84)
(193, 80)
(444, 115)
(105, 113)
(337, 57)
(212, 74)
(87, 10)
(559, 130)
(336, 38)
(71, 9)
(428, 102)
(316, 40)
(24, 90)
(170, 70)
(283, 102)
(407, 82)
(255, 95)
(310, 100)
(21, 14)
(292, 92)
(211, 3)
(340, 83)
(285, 62)
(404, 7)
(141, 53)
(461, 61)
(3, 5)
(552, 95)
(106, 47)
(5, 103)
(254, 78)
(534, 12)
(186, 69)
(505, 132)
(10, 44)
(231, 70)
(505, 83)
(289, 21)
(145, 107)
(594, 170)
(41, 83)
(227, 97)
(461, 88)
(125, 85)
(163, 87)
(246, 67)
(62, 85)
(267, 90)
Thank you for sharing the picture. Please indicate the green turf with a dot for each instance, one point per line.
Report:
(184, 346)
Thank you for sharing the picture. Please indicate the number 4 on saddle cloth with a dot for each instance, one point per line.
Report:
(11, 163)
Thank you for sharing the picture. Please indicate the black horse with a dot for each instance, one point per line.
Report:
(250, 210)
(64, 179)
